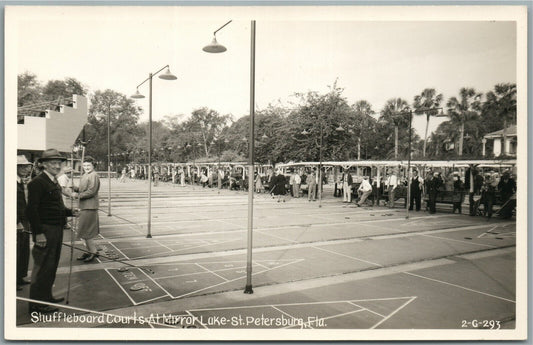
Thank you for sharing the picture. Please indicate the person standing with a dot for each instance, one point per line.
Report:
(258, 183)
(507, 188)
(311, 186)
(433, 185)
(279, 189)
(66, 188)
(473, 183)
(88, 223)
(392, 183)
(47, 214)
(457, 197)
(291, 183)
(364, 190)
(347, 183)
(23, 226)
(416, 191)
(297, 180)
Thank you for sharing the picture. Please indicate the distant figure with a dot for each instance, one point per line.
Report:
(489, 188)
(392, 183)
(433, 185)
(364, 190)
(416, 190)
(507, 188)
(311, 185)
(203, 178)
(473, 183)
(258, 184)
(279, 186)
(457, 197)
(297, 180)
(123, 175)
(347, 183)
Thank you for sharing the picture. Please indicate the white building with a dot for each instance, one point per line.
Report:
(56, 128)
(499, 147)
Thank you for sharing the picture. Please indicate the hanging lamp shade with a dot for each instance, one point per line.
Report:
(167, 75)
(214, 47)
(137, 95)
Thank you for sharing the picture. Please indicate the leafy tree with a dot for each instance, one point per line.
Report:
(463, 110)
(499, 109)
(63, 89)
(426, 100)
(124, 131)
(28, 89)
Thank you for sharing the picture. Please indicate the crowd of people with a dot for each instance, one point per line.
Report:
(47, 196)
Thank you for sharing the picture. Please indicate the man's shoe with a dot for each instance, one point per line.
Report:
(57, 300)
(83, 256)
(45, 309)
(23, 282)
(90, 258)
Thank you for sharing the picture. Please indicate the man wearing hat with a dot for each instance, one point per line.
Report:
(47, 214)
(23, 227)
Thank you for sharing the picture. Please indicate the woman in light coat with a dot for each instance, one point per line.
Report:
(88, 223)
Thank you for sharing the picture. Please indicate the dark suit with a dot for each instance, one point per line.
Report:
(47, 215)
(23, 236)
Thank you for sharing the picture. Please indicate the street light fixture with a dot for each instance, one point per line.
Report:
(215, 47)
(165, 76)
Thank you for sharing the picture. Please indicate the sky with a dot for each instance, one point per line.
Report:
(373, 57)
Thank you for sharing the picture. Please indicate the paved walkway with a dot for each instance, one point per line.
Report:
(337, 266)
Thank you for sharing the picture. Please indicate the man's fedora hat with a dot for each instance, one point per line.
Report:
(51, 154)
(22, 160)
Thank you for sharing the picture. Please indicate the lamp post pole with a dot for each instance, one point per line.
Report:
(109, 160)
(149, 226)
(248, 289)
(320, 164)
(215, 47)
(166, 76)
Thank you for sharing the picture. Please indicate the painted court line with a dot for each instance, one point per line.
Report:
(212, 272)
(120, 251)
(183, 249)
(460, 241)
(348, 256)
(287, 314)
(156, 283)
(373, 312)
(120, 286)
(235, 279)
(459, 286)
(326, 250)
(161, 244)
(394, 312)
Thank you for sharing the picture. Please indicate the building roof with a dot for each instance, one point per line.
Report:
(511, 132)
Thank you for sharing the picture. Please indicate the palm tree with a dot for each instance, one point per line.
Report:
(428, 99)
(460, 110)
(392, 113)
(363, 110)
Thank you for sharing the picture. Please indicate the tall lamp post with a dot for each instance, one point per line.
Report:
(214, 47)
(410, 113)
(166, 76)
(109, 160)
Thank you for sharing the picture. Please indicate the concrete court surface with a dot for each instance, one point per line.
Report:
(338, 266)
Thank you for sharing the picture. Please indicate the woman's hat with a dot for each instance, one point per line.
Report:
(51, 154)
(88, 159)
(22, 160)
